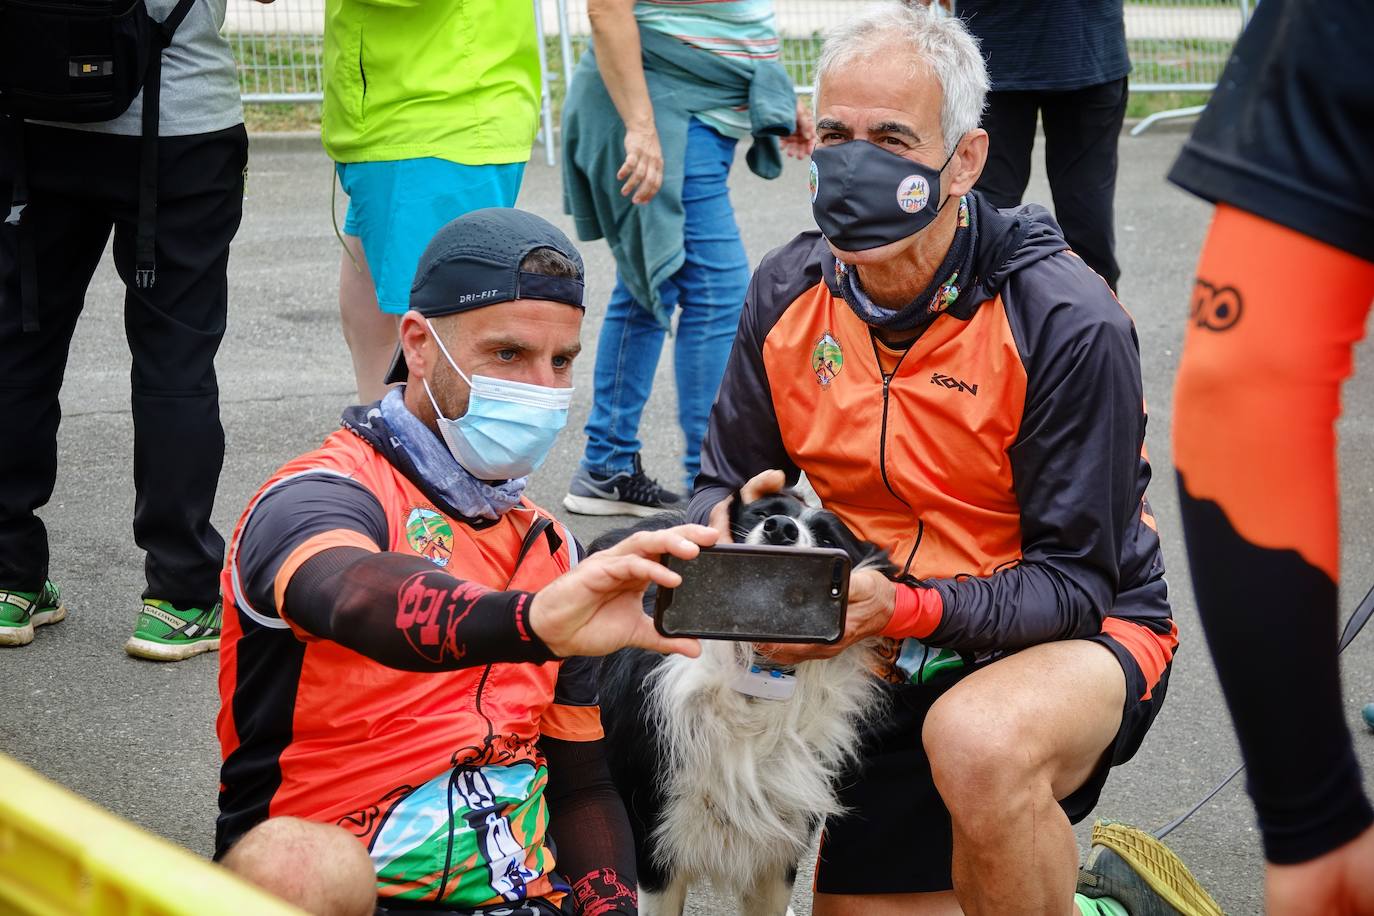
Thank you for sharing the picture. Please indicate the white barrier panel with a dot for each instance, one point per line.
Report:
(1175, 45)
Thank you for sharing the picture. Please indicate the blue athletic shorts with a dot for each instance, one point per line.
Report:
(396, 207)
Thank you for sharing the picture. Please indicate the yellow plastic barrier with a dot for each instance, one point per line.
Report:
(60, 854)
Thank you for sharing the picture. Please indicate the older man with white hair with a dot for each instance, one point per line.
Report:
(960, 388)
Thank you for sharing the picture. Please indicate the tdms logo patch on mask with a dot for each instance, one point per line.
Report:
(913, 193)
(815, 181)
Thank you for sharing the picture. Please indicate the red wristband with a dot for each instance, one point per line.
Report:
(916, 612)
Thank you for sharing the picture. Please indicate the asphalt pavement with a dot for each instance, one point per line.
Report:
(138, 737)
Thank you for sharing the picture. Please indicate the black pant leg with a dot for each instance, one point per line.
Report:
(68, 216)
(174, 331)
(1010, 123)
(1081, 132)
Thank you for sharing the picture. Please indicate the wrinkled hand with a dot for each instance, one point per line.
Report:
(872, 599)
(801, 141)
(1339, 883)
(759, 486)
(597, 607)
(642, 170)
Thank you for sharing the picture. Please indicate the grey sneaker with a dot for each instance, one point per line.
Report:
(626, 493)
(1142, 874)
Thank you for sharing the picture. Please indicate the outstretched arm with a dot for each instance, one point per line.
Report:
(403, 612)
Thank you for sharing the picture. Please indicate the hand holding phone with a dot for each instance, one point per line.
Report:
(757, 593)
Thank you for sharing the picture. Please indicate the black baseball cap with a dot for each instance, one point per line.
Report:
(474, 262)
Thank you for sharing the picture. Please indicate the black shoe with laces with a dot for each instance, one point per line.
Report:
(627, 493)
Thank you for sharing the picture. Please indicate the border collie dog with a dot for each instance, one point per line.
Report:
(719, 785)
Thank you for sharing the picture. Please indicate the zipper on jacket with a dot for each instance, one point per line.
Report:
(882, 436)
(882, 447)
(362, 71)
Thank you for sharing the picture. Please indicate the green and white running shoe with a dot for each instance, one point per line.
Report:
(20, 612)
(165, 634)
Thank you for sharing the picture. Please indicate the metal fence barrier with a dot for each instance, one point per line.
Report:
(1175, 45)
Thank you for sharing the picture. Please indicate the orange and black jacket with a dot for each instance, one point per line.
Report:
(999, 459)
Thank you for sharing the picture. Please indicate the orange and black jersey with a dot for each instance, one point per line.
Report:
(447, 776)
(999, 459)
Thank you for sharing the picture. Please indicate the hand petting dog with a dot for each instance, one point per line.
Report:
(872, 595)
(872, 599)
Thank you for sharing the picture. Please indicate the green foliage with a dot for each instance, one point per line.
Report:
(284, 64)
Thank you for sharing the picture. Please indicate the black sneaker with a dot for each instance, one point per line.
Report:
(626, 493)
(1142, 874)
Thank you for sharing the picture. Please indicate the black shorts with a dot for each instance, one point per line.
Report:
(1287, 133)
(896, 838)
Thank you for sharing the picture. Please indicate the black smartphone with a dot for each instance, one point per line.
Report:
(757, 593)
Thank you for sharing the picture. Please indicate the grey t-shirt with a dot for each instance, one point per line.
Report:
(200, 91)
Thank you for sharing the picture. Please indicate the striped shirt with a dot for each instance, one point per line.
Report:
(732, 28)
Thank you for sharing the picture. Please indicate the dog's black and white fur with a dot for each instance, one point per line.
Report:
(724, 787)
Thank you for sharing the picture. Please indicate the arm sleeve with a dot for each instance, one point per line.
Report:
(295, 519)
(1074, 469)
(742, 438)
(403, 612)
(589, 828)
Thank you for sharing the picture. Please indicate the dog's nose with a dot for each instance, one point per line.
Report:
(780, 530)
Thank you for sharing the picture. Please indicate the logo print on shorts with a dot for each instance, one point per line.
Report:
(815, 180)
(827, 359)
(912, 193)
(1216, 308)
(430, 535)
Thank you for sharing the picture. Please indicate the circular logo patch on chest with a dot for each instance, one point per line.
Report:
(827, 359)
(430, 535)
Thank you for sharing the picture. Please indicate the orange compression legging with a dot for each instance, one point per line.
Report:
(1272, 325)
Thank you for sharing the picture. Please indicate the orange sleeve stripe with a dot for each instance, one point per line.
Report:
(318, 543)
(572, 723)
(1152, 651)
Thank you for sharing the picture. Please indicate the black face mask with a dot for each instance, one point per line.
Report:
(864, 197)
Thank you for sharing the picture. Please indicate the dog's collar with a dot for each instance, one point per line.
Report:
(767, 664)
(774, 683)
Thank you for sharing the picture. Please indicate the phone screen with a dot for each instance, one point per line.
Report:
(757, 593)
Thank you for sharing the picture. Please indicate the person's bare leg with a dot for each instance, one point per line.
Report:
(941, 903)
(1004, 745)
(320, 868)
(370, 333)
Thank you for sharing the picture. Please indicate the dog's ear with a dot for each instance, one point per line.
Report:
(736, 510)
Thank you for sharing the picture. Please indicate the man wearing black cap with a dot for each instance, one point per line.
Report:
(398, 615)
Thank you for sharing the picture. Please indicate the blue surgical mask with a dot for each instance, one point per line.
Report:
(509, 426)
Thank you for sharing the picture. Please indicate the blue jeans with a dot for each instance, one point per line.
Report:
(709, 289)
